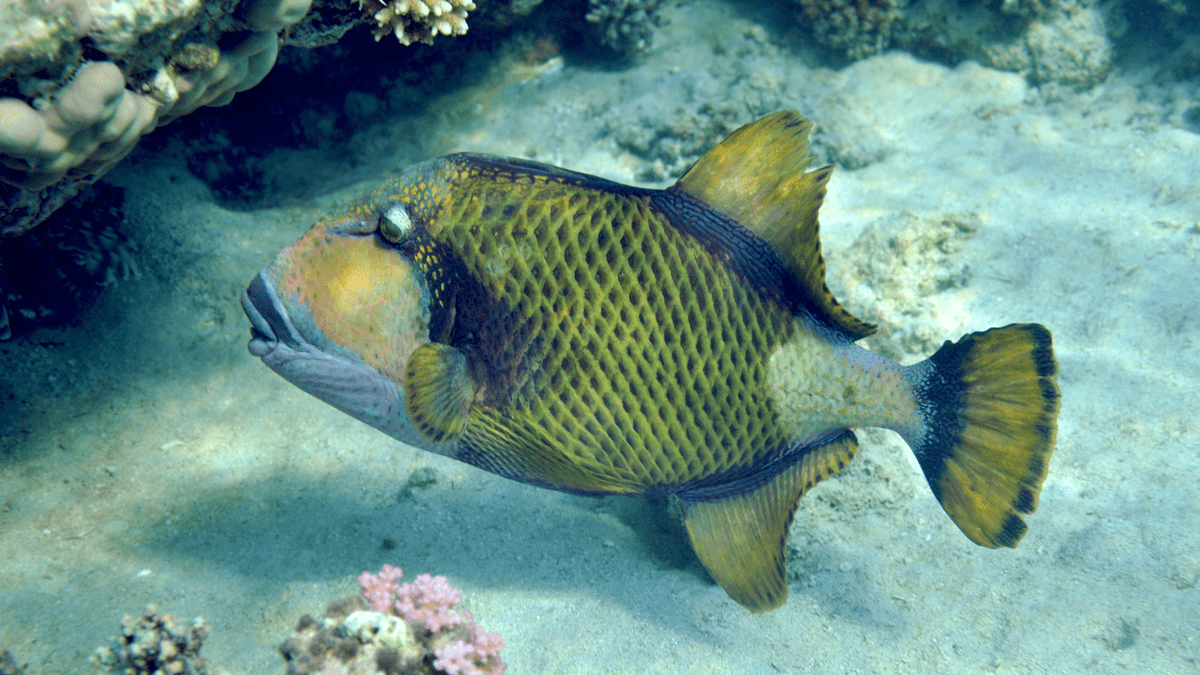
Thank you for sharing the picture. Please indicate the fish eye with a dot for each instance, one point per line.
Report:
(395, 225)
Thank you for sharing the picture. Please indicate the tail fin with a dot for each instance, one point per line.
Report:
(990, 407)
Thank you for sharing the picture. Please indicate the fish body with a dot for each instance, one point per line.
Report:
(596, 338)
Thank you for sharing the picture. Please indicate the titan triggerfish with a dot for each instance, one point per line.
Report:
(579, 334)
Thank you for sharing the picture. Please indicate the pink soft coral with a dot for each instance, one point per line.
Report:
(478, 656)
(380, 589)
(429, 601)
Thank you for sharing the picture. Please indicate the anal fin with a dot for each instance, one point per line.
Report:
(741, 539)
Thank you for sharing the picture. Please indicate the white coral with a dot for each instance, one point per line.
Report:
(418, 20)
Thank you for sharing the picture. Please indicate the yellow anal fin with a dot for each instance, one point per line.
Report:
(991, 419)
(757, 176)
(438, 391)
(741, 540)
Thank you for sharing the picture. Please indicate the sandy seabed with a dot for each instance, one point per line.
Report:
(156, 461)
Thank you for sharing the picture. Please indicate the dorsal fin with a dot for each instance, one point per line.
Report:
(757, 177)
(741, 540)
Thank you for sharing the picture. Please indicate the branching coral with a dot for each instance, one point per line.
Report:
(418, 20)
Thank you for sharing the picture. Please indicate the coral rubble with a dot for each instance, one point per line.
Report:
(908, 261)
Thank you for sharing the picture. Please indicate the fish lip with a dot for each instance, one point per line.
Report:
(269, 320)
(262, 338)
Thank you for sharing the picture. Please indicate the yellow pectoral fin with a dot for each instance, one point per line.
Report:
(741, 540)
(438, 391)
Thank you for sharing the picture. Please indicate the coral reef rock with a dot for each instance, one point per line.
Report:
(859, 27)
(154, 644)
(350, 639)
(1061, 41)
(81, 82)
(895, 273)
(394, 628)
(1067, 46)
(50, 273)
(8, 665)
(627, 26)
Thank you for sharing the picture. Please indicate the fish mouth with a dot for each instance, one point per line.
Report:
(340, 379)
(269, 322)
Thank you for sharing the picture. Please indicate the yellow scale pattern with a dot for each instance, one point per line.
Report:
(653, 354)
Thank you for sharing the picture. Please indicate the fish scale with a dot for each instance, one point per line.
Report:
(625, 337)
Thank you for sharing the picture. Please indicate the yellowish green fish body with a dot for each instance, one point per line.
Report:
(578, 334)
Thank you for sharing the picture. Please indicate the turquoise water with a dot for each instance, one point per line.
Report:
(146, 457)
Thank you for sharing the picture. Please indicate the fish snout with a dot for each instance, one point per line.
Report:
(267, 322)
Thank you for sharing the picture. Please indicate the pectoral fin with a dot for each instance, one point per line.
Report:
(438, 391)
(741, 539)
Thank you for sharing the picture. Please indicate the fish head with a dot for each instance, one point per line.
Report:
(339, 312)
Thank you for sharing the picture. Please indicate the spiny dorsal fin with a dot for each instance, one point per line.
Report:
(756, 176)
(742, 539)
(438, 391)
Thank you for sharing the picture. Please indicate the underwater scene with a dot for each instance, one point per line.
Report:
(485, 336)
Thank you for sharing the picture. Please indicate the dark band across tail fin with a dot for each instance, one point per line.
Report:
(990, 407)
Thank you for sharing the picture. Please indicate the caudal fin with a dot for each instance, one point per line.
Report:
(990, 408)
